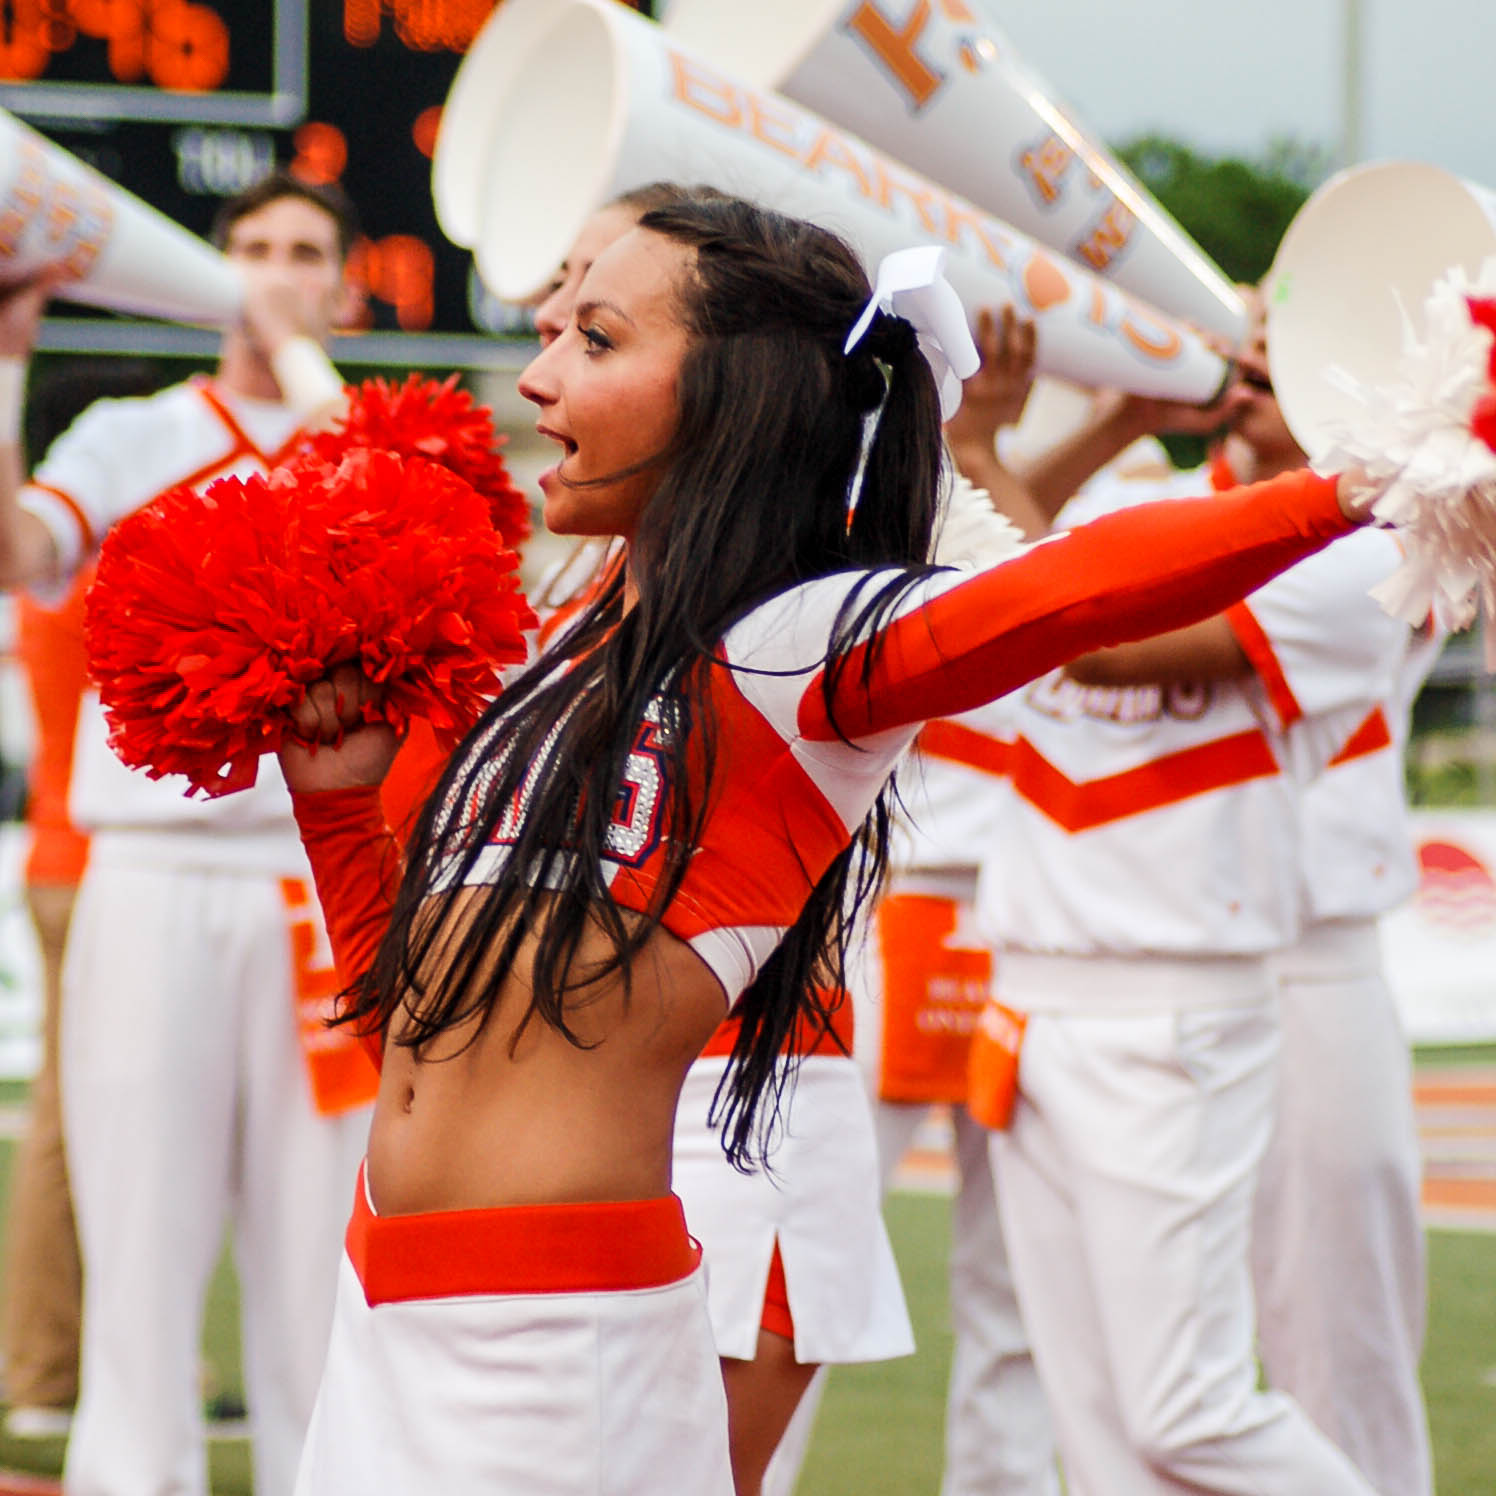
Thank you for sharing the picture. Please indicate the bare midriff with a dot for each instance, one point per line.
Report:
(479, 1119)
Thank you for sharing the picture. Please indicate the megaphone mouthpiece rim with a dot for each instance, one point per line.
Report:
(582, 143)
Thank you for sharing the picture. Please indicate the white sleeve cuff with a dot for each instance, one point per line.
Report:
(309, 382)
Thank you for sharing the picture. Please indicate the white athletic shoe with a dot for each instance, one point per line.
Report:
(39, 1423)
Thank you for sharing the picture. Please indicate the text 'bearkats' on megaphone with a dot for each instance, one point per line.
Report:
(636, 107)
(118, 253)
(937, 87)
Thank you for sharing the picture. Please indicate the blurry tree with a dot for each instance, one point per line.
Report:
(1236, 210)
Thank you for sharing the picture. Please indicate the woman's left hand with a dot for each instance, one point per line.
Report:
(1357, 493)
(334, 747)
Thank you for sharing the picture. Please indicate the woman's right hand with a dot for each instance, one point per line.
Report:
(22, 304)
(334, 748)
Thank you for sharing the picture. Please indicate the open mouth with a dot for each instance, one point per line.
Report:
(567, 445)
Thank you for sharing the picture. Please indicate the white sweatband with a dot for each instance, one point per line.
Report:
(12, 388)
(309, 383)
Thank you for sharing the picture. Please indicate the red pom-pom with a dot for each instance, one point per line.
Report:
(1483, 314)
(1483, 420)
(437, 421)
(213, 612)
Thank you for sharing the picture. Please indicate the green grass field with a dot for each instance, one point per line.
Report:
(880, 1428)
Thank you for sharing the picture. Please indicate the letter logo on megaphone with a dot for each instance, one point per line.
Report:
(639, 107)
(1347, 275)
(120, 253)
(935, 86)
(47, 221)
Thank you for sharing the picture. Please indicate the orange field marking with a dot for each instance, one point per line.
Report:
(12, 1484)
(1453, 1093)
(1460, 1191)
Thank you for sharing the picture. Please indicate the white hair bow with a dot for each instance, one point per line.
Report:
(911, 284)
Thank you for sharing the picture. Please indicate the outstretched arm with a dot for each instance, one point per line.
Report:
(1129, 575)
(1208, 650)
(1117, 422)
(27, 551)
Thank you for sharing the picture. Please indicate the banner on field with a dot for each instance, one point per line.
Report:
(1440, 946)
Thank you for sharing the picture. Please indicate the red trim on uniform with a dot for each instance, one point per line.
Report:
(73, 507)
(1258, 649)
(1370, 737)
(807, 1037)
(1222, 474)
(286, 449)
(584, 1247)
(562, 614)
(1249, 633)
(755, 866)
(245, 443)
(959, 744)
(1165, 781)
(776, 1318)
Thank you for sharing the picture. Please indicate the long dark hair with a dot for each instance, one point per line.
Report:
(753, 500)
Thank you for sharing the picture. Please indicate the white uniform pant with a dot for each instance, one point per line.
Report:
(1338, 1247)
(998, 1440)
(1127, 1180)
(186, 1104)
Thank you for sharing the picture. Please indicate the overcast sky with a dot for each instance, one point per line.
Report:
(1230, 77)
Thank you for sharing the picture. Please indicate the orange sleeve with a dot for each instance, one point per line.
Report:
(356, 867)
(50, 644)
(1130, 575)
(413, 776)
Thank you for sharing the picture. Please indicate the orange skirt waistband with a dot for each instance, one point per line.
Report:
(590, 1247)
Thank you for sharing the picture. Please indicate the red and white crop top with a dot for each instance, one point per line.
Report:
(791, 788)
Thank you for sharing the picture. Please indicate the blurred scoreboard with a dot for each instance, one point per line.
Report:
(185, 102)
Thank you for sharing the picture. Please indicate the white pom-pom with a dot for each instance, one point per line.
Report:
(1433, 479)
(971, 533)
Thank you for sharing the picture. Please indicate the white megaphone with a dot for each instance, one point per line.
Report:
(940, 89)
(1347, 276)
(119, 253)
(460, 159)
(618, 103)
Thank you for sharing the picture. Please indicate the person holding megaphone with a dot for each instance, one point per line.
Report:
(186, 1095)
(1189, 921)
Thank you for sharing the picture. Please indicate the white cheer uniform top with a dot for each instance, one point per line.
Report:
(1358, 855)
(116, 457)
(950, 788)
(1162, 820)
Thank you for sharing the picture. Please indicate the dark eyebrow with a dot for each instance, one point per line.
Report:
(587, 308)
